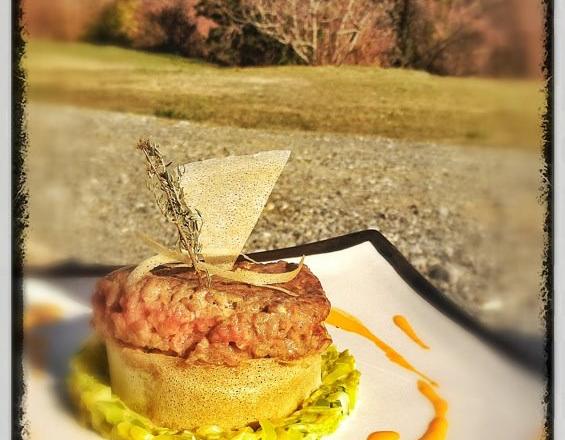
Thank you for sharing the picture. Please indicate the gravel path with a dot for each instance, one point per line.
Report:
(467, 218)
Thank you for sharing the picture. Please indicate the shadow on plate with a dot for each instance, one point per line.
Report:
(49, 348)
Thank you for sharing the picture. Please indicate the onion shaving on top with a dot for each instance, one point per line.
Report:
(248, 258)
(171, 256)
(148, 265)
(255, 278)
(164, 250)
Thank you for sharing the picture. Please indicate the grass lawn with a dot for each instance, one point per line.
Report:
(395, 103)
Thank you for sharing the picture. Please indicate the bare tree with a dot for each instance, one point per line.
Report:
(318, 31)
(437, 35)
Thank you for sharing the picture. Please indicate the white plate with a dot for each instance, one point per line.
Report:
(489, 396)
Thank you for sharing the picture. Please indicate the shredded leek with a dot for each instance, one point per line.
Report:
(104, 412)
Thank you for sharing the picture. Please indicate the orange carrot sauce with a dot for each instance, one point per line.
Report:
(384, 435)
(347, 322)
(36, 348)
(403, 324)
(437, 429)
(41, 314)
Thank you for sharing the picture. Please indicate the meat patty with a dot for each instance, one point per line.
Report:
(169, 312)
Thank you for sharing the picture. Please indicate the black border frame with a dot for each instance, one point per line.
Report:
(547, 185)
(19, 198)
(19, 223)
(523, 350)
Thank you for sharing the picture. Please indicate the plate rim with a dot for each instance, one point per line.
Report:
(524, 350)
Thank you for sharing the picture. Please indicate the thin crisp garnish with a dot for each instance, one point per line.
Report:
(279, 288)
(230, 193)
(251, 277)
(248, 258)
(147, 266)
(162, 249)
(166, 255)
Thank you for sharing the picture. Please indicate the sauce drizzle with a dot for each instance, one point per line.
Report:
(35, 317)
(345, 321)
(384, 435)
(437, 429)
(403, 324)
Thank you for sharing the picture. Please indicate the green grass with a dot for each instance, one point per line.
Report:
(395, 103)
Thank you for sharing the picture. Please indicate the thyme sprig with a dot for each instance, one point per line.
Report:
(164, 182)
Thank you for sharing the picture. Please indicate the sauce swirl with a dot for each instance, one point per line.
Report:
(347, 322)
(437, 429)
(36, 347)
(384, 435)
(36, 315)
(403, 324)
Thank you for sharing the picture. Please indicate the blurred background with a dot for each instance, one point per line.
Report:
(420, 118)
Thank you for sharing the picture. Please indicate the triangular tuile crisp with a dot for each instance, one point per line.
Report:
(230, 193)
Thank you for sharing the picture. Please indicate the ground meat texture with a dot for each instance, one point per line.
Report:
(168, 311)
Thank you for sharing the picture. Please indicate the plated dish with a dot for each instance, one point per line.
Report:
(191, 343)
(187, 347)
(224, 360)
(486, 391)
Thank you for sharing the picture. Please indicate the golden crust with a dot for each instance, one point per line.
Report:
(178, 395)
